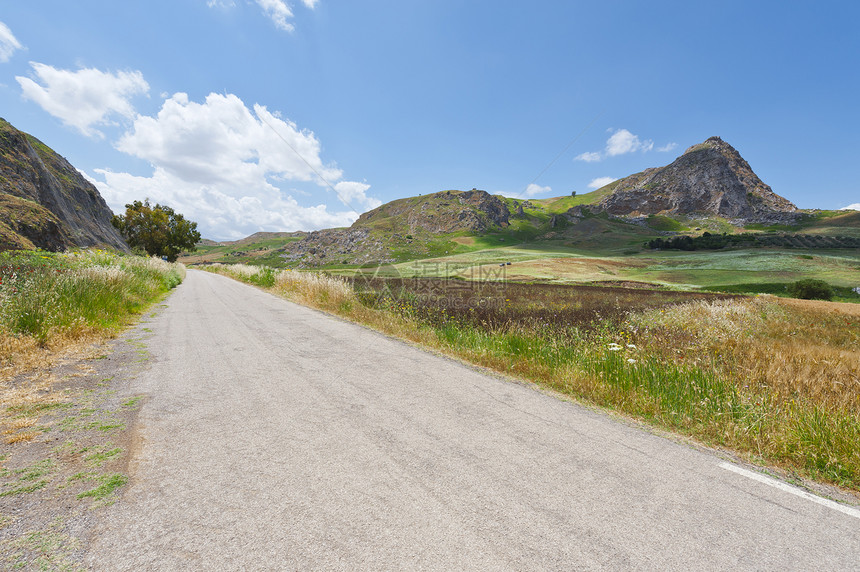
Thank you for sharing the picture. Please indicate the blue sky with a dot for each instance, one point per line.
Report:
(250, 115)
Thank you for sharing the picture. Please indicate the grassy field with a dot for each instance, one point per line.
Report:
(742, 270)
(777, 381)
(252, 250)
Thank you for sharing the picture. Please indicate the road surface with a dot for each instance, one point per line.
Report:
(274, 437)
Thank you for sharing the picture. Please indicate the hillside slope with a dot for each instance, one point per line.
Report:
(709, 189)
(45, 202)
(710, 178)
(414, 227)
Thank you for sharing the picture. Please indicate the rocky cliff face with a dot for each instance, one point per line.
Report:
(710, 178)
(46, 202)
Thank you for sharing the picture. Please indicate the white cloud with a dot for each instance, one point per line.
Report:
(622, 142)
(223, 165)
(588, 157)
(8, 43)
(533, 190)
(279, 12)
(83, 98)
(854, 207)
(667, 147)
(222, 212)
(601, 182)
(352, 194)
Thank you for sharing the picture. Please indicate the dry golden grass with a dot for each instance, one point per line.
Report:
(22, 437)
(22, 399)
(21, 354)
(789, 349)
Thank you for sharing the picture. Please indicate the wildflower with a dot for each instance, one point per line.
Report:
(613, 347)
(631, 360)
(631, 346)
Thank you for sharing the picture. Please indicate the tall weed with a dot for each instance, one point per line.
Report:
(46, 295)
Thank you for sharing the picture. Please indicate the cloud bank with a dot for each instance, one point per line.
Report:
(534, 190)
(225, 165)
(85, 98)
(622, 142)
(601, 182)
(278, 11)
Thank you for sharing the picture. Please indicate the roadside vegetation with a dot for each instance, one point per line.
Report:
(63, 429)
(776, 380)
(48, 299)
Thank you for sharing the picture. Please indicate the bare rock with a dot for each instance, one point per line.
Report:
(710, 178)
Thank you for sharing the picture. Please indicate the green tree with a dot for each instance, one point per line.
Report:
(811, 289)
(158, 230)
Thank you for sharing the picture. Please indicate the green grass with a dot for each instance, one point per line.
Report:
(45, 294)
(108, 484)
(100, 457)
(26, 480)
(841, 293)
(664, 223)
(709, 269)
(48, 549)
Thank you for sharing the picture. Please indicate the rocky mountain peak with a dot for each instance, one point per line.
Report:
(710, 178)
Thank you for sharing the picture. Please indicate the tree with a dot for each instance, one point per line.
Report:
(811, 289)
(158, 230)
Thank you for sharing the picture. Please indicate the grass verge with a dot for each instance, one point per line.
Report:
(59, 412)
(48, 300)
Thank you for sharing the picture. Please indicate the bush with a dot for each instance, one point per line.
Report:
(810, 289)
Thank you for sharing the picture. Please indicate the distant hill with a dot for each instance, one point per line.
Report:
(710, 178)
(404, 228)
(710, 189)
(444, 212)
(45, 202)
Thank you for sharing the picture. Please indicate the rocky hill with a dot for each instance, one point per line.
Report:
(710, 184)
(443, 212)
(710, 178)
(411, 224)
(47, 203)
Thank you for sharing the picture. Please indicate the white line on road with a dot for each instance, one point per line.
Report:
(790, 489)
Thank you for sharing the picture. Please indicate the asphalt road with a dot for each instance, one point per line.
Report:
(276, 438)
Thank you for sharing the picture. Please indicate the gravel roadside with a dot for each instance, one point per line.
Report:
(68, 435)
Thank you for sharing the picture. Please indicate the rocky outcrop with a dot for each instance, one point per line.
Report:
(33, 175)
(710, 178)
(24, 224)
(337, 245)
(403, 224)
(439, 213)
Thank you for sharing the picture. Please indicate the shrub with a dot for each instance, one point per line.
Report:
(811, 289)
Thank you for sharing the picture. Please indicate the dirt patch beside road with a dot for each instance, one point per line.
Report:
(66, 432)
